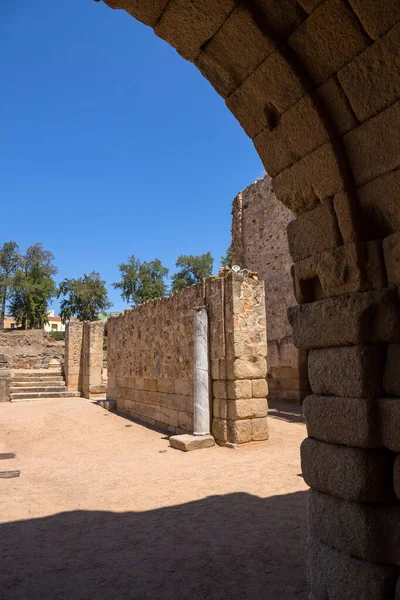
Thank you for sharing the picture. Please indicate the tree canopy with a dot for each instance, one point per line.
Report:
(9, 261)
(84, 297)
(226, 260)
(33, 287)
(192, 269)
(142, 281)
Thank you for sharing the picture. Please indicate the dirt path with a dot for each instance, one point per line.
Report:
(99, 513)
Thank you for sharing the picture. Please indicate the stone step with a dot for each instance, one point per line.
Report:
(39, 388)
(36, 375)
(23, 397)
(37, 382)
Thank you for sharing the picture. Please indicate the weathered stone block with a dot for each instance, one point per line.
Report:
(391, 250)
(249, 408)
(229, 57)
(295, 384)
(240, 388)
(108, 404)
(370, 532)
(185, 420)
(349, 218)
(5, 383)
(224, 409)
(337, 106)
(165, 385)
(378, 201)
(396, 476)
(351, 473)
(247, 369)
(186, 443)
(361, 318)
(356, 267)
(391, 378)
(184, 387)
(220, 429)
(376, 17)
(313, 232)
(335, 576)
(259, 388)
(151, 385)
(97, 389)
(328, 39)
(309, 5)
(299, 131)
(239, 432)
(266, 94)
(147, 12)
(348, 371)
(389, 422)
(372, 80)
(332, 419)
(259, 429)
(219, 389)
(216, 408)
(372, 148)
(215, 369)
(188, 25)
(315, 177)
(282, 17)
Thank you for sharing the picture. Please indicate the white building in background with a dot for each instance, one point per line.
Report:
(55, 323)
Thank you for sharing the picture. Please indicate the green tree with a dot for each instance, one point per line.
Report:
(142, 281)
(33, 287)
(84, 297)
(192, 269)
(9, 262)
(226, 261)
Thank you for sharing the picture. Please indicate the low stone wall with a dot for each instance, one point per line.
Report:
(84, 358)
(30, 349)
(151, 359)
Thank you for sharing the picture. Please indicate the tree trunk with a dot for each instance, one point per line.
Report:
(3, 308)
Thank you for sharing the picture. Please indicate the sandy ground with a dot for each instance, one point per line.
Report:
(101, 512)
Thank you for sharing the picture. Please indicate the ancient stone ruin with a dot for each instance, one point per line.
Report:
(259, 243)
(316, 86)
(151, 359)
(84, 358)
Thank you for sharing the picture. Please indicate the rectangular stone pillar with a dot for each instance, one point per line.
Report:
(92, 353)
(5, 378)
(73, 367)
(238, 359)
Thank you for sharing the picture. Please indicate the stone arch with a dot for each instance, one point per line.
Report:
(316, 85)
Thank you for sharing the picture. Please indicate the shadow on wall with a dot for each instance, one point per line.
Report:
(222, 547)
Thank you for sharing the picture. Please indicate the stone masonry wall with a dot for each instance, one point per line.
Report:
(30, 348)
(151, 359)
(259, 243)
(84, 358)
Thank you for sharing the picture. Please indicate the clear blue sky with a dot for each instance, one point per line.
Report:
(111, 144)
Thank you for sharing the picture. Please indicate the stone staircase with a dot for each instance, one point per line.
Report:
(36, 384)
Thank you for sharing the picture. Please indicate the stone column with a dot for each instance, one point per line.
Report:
(73, 356)
(92, 384)
(201, 416)
(5, 378)
(238, 353)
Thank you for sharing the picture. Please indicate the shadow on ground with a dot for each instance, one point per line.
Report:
(236, 546)
(286, 411)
